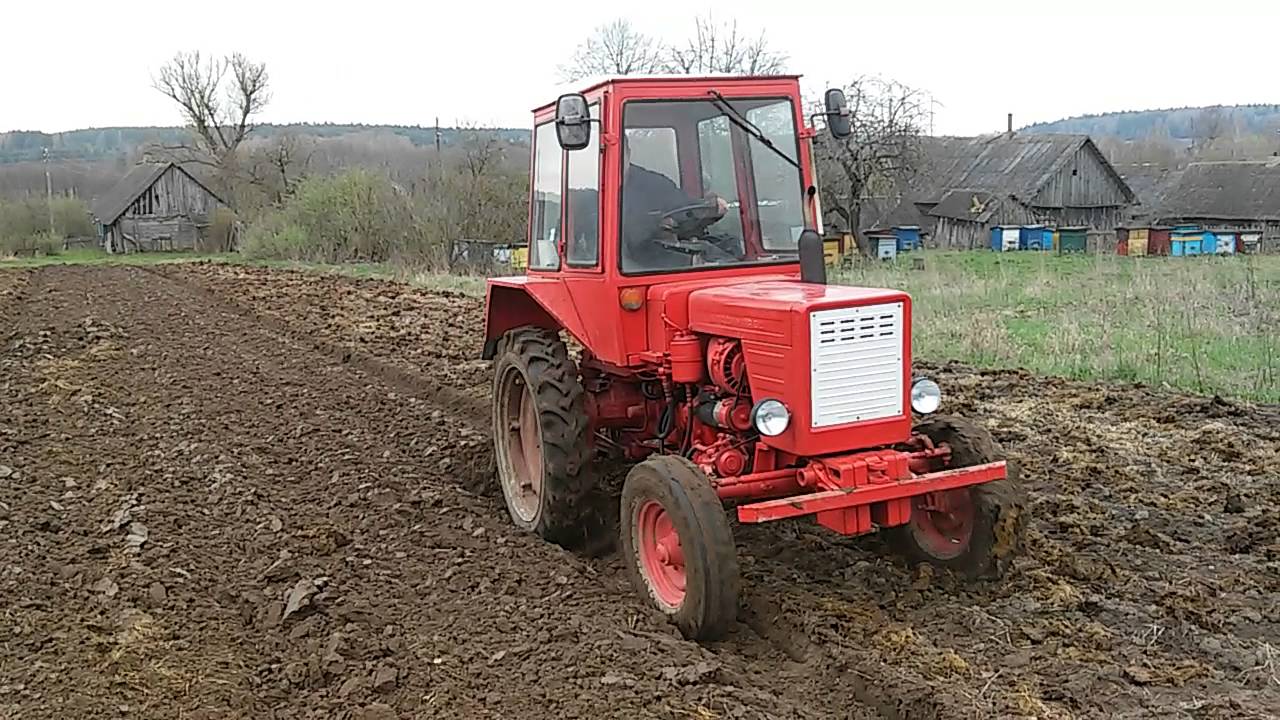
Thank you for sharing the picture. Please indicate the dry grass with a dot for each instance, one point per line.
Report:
(1201, 324)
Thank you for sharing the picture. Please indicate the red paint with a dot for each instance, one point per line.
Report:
(859, 496)
(1158, 241)
(661, 556)
(685, 351)
(680, 371)
(726, 364)
(942, 522)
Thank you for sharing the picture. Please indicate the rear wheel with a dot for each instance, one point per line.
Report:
(678, 546)
(975, 530)
(541, 440)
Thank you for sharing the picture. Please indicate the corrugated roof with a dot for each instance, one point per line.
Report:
(111, 206)
(1235, 190)
(1149, 181)
(1017, 164)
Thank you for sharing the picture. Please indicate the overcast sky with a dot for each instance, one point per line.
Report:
(84, 63)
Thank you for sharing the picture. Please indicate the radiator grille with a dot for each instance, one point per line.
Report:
(856, 364)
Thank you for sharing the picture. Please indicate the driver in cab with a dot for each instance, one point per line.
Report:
(648, 198)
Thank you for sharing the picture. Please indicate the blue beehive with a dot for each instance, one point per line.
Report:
(1208, 243)
(1005, 237)
(1031, 237)
(908, 237)
(1046, 240)
(1185, 241)
(1226, 244)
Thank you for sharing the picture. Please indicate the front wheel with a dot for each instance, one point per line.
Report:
(976, 530)
(678, 547)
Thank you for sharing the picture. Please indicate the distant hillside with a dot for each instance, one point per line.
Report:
(110, 143)
(1178, 123)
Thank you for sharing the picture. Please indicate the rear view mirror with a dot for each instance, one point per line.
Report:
(838, 113)
(573, 122)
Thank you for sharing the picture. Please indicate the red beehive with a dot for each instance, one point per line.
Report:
(1158, 241)
(1122, 241)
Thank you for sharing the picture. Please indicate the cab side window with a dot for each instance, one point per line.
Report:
(583, 208)
(544, 230)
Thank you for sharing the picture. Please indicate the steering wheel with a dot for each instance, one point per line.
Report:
(690, 221)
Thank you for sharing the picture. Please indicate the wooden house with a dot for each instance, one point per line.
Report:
(156, 206)
(1242, 197)
(967, 186)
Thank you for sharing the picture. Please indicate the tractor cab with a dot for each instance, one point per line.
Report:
(643, 181)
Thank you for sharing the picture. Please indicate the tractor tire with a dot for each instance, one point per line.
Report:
(678, 547)
(984, 530)
(541, 435)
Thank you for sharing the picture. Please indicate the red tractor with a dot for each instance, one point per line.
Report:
(674, 235)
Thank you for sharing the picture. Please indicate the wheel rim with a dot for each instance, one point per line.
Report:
(661, 556)
(942, 523)
(522, 481)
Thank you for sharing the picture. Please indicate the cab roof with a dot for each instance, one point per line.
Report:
(596, 82)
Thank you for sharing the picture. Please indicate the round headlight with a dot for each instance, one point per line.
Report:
(770, 417)
(926, 396)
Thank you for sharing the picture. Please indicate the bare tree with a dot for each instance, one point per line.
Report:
(615, 48)
(882, 152)
(219, 100)
(718, 47)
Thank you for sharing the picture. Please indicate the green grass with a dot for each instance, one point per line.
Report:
(465, 284)
(1200, 324)
(1206, 325)
(94, 256)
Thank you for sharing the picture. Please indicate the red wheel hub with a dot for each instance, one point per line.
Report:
(524, 443)
(942, 522)
(661, 557)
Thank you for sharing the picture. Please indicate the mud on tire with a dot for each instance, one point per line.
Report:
(541, 434)
(998, 508)
(707, 603)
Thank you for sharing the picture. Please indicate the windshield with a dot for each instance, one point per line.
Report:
(701, 188)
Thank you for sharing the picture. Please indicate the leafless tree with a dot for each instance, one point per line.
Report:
(276, 166)
(615, 48)
(481, 149)
(722, 47)
(219, 99)
(881, 154)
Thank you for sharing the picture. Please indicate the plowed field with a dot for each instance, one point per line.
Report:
(240, 493)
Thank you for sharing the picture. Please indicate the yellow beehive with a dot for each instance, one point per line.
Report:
(831, 251)
(1138, 238)
(520, 259)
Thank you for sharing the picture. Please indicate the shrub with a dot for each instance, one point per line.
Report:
(24, 224)
(360, 216)
(221, 234)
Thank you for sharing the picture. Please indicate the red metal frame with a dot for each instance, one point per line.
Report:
(645, 366)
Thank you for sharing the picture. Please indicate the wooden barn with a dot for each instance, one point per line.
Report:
(156, 206)
(1237, 196)
(967, 186)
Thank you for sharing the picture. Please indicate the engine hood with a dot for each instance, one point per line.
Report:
(839, 357)
(758, 310)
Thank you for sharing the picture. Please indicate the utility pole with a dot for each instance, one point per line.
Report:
(48, 188)
(437, 136)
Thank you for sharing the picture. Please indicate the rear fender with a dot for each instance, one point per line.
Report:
(516, 302)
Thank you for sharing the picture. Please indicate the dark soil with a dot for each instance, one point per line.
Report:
(228, 492)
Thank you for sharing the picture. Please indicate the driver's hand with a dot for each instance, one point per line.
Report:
(721, 206)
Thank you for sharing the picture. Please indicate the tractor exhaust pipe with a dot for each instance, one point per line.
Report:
(813, 267)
